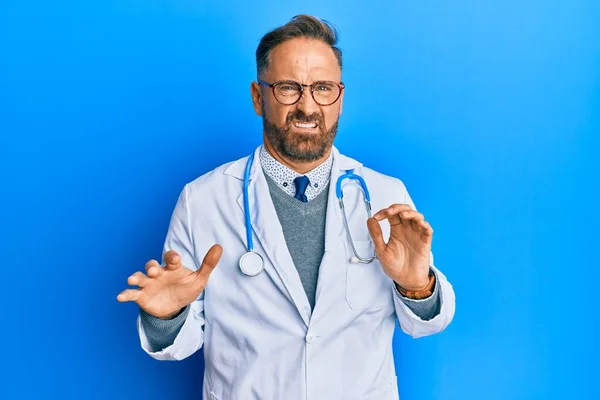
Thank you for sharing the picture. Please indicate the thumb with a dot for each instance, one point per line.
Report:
(376, 235)
(209, 262)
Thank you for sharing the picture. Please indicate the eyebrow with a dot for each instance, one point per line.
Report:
(297, 81)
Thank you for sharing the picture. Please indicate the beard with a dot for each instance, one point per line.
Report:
(296, 146)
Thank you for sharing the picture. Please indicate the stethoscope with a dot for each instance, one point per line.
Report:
(252, 264)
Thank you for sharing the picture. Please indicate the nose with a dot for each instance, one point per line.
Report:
(307, 104)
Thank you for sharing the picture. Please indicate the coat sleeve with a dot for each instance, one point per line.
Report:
(191, 336)
(415, 326)
(409, 321)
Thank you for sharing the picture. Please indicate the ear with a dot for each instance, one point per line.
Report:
(341, 100)
(256, 94)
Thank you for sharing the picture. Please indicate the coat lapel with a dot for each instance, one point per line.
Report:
(269, 233)
(332, 271)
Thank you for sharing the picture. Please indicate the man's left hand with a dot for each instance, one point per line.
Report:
(405, 257)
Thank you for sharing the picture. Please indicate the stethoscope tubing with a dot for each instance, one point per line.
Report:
(249, 241)
(340, 196)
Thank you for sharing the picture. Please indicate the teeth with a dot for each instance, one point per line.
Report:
(300, 125)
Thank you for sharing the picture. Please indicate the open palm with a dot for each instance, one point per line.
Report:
(163, 292)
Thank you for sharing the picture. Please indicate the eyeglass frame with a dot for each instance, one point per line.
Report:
(340, 85)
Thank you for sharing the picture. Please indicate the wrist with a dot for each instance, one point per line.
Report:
(421, 292)
(413, 284)
(172, 315)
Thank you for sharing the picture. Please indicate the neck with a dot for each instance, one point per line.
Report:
(298, 166)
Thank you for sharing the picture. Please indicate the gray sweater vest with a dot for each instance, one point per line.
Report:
(303, 227)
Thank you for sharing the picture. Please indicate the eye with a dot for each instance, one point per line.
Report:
(324, 87)
(287, 87)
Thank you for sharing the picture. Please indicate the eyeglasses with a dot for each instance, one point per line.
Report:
(324, 93)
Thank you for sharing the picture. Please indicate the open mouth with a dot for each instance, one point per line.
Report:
(305, 125)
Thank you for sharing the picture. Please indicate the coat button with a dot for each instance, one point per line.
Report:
(310, 337)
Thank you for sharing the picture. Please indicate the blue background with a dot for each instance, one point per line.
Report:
(489, 111)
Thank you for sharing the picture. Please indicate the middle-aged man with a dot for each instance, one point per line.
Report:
(295, 307)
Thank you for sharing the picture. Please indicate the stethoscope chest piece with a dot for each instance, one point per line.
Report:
(251, 263)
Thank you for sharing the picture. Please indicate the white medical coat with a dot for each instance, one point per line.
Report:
(261, 340)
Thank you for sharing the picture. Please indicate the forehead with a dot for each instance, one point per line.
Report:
(303, 59)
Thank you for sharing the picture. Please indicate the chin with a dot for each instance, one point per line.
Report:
(305, 151)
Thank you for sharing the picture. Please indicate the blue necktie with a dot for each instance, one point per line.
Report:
(301, 183)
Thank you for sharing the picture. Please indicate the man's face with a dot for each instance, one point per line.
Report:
(304, 131)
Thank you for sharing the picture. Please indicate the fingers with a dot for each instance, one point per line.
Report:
(391, 212)
(376, 235)
(129, 295)
(404, 214)
(412, 218)
(426, 231)
(210, 261)
(154, 269)
(138, 279)
(417, 222)
(172, 260)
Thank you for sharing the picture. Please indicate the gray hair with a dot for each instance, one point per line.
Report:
(300, 26)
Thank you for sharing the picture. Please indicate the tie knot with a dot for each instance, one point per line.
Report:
(301, 183)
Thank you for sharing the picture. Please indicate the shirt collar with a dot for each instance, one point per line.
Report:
(284, 176)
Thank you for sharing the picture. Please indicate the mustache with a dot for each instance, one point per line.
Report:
(299, 116)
